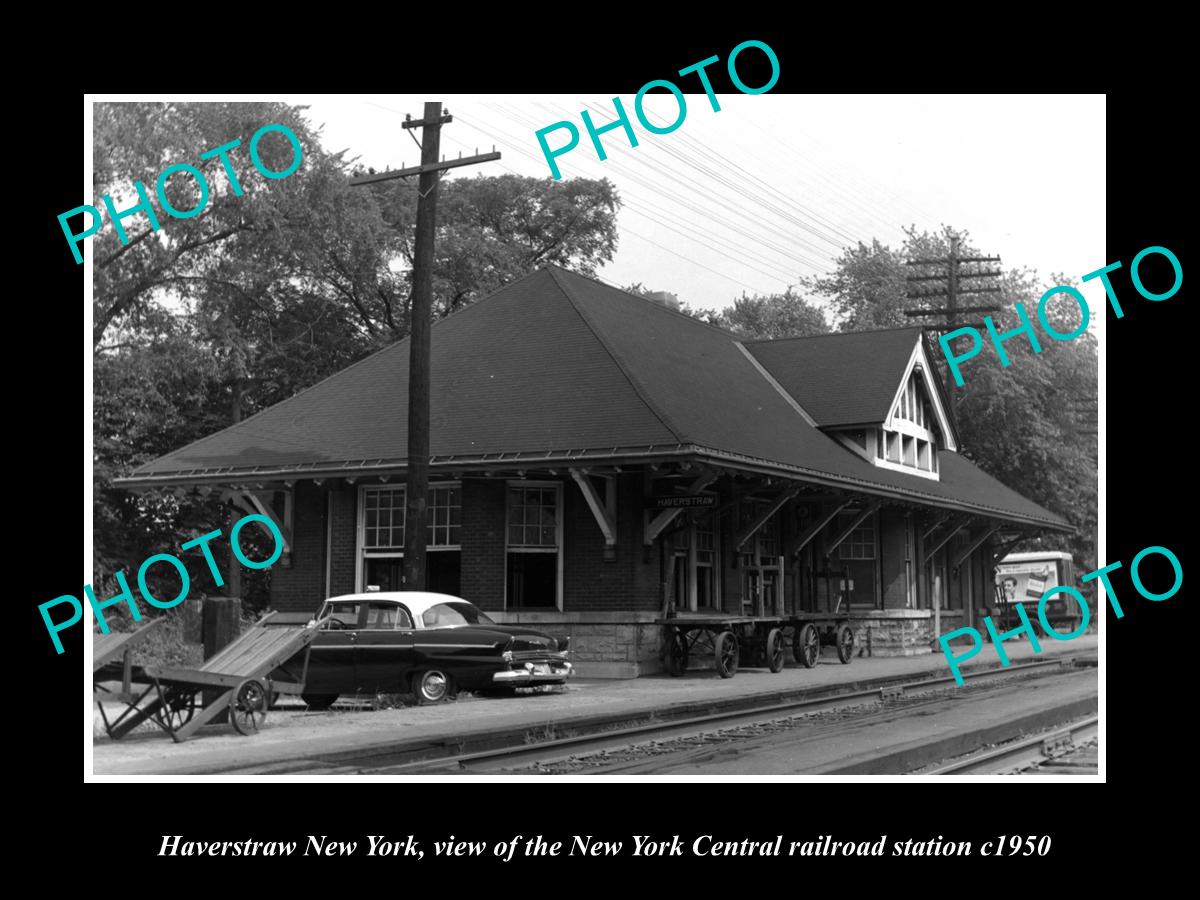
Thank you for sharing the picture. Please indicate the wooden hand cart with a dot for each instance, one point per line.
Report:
(762, 639)
(244, 675)
(106, 648)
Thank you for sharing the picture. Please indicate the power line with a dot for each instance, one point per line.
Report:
(752, 221)
(502, 139)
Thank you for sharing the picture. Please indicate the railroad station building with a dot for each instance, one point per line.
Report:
(600, 460)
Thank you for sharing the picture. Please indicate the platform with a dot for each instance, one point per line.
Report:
(296, 734)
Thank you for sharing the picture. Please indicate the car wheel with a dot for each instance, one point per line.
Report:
(319, 701)
(432, 686)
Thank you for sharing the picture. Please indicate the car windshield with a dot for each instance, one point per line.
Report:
(442, 615)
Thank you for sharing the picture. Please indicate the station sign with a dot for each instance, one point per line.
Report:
(682, 501)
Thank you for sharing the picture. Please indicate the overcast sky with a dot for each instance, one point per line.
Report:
(771, 187)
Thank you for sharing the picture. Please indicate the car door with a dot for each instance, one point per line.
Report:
(332, 664)
(384, 654)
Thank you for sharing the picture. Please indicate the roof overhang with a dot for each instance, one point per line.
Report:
(543, 459)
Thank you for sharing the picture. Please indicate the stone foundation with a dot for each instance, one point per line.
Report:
(900, 632)
(627, 645)
(603, 645)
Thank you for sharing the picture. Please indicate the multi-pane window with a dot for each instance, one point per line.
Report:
(768, 543)
(706, 541)
(533, 557)
(444, 516)
(763, 548)
(383, 528)
(381, 552)
(533, 517)
(856, 581)
(861, 542)
(911, 442)
(384, 517)
(706, 557)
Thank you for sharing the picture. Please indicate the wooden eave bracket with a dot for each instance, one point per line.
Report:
(805, 537)
(751, 528)
(656, 525)
(258, 503)
(849, 529)
(602, 509)
(973, 546)
(955, 527)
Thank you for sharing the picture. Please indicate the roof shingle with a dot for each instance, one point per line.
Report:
(556, 363)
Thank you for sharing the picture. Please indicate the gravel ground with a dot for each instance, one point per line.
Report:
(293, 732)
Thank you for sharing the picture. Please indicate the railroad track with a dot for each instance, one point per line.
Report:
(1068, 750)
(704, 731)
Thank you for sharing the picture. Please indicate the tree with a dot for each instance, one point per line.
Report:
(774, 316)
(866, 289)
(1019, 423)
(761, 316)
(213, 318)
(137, 141)
(492, 230)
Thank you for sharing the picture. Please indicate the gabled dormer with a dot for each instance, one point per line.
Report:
(876, 393)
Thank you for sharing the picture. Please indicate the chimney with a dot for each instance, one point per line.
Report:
(664, 298)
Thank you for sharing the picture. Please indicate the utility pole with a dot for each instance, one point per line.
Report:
(952, 276)
(416, 493)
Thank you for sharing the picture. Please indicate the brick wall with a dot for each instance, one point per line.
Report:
(591, 582)
(345, 526)
(483, 516)
(301, 587)
(891, 558)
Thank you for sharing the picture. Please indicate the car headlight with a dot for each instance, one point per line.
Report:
(506, 656)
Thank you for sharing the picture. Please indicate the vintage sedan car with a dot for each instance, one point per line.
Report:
(430, 644)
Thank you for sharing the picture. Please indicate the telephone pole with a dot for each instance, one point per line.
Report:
(429, 172)
(953, 278)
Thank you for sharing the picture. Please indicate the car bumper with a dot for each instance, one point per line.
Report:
(535, 673)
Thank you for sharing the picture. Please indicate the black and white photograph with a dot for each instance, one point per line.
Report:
(701, 432)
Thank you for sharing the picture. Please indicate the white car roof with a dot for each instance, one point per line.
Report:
(416, 601)
(1033, 555)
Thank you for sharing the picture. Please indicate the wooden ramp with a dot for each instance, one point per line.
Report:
(240, 673)
(107, 647)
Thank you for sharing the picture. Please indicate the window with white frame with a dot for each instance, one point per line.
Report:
(910, 439)
(856, 583)
(381, 537)
(533, 577)
(861, 542)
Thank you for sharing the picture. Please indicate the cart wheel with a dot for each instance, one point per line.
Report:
(677, 654)
(845, 643)
(775, 650)
(177, 708)
(807, 645)
(319, 702)
(248, 708)
(432, 686)
(726, 653)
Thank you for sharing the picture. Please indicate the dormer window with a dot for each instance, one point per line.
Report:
(914, 429)
(911, 436)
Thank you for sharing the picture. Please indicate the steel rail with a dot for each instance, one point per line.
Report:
(771, 711)
(1031, 750)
